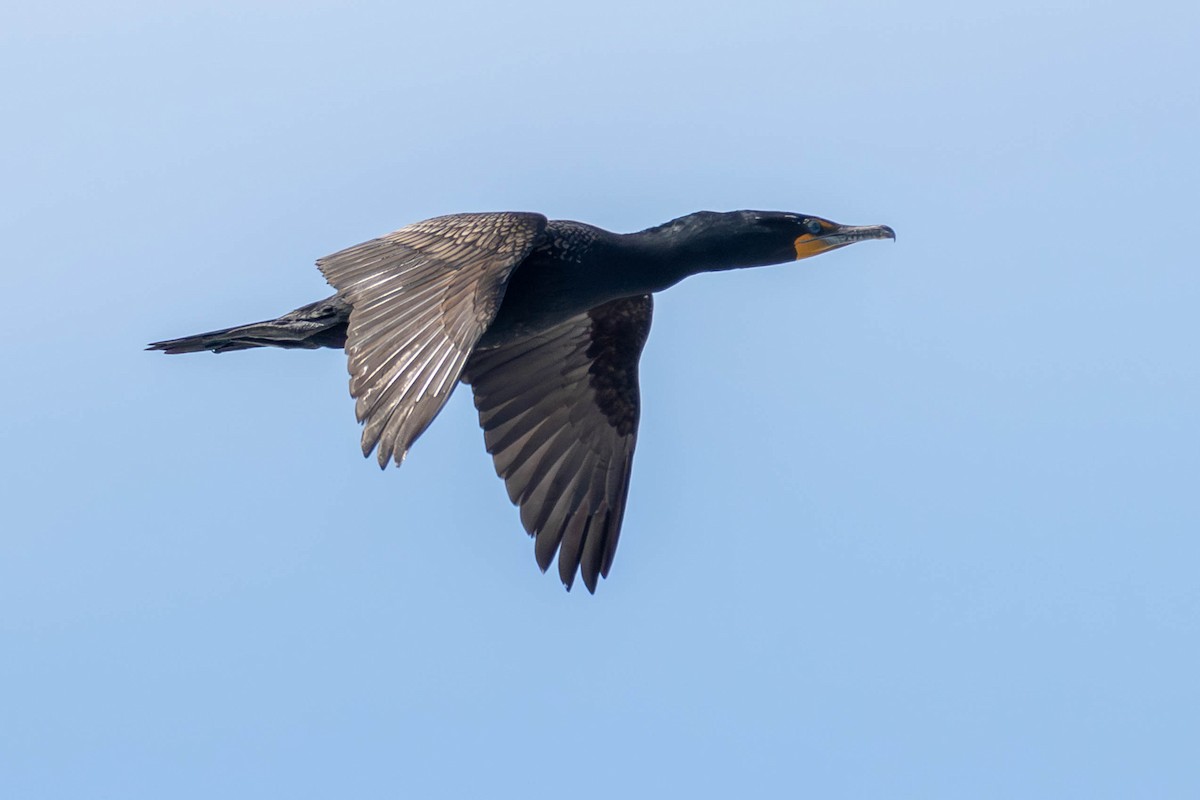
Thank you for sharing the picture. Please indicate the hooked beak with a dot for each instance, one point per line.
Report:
(837, 236)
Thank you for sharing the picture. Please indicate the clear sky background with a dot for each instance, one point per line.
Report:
(908, 520)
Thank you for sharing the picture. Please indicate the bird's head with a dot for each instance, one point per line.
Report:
(711, 240)
(714, 241)
(798, 236)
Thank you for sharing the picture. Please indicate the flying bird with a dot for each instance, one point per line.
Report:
(546, 320)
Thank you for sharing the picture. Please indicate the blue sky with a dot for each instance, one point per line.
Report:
(910, 520)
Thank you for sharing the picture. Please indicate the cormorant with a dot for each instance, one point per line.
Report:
(546, 321)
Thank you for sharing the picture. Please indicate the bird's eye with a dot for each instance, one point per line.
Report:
(812, 226)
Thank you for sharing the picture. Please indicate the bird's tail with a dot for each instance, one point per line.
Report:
(320, 324)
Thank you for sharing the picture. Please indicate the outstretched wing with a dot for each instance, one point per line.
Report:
(421, 297)
(560, 412)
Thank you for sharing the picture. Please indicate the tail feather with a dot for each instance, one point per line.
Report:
(319, 324)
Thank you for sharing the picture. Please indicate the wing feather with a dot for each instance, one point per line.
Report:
(420, 299)
(559, 412)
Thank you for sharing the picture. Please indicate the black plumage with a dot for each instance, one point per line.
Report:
(546, 321)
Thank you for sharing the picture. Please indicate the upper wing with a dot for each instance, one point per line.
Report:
(421, 297)
(560, 412)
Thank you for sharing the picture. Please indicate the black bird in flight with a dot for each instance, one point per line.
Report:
(546, 321)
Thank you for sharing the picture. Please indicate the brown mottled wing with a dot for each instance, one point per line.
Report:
(420, 299)
(559, 413)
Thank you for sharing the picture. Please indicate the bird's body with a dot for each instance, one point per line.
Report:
(546, 320)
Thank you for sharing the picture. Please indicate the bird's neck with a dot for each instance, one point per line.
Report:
(688, 246)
